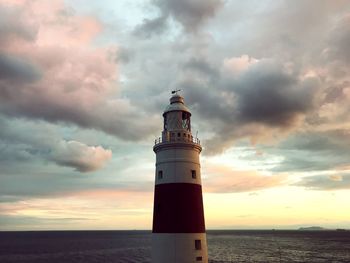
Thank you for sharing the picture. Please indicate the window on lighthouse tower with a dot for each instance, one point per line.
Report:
(186, 123)
(198, 244)
(165, 124)
(160, 174)
(194, 174)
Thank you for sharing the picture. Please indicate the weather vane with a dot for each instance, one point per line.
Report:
(175, 91)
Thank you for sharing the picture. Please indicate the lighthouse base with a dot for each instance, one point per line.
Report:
(179, 248)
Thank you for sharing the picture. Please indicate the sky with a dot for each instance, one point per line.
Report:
(83, 85)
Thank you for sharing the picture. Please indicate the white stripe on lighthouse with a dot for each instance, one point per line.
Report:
(177, 166)
(182, 247)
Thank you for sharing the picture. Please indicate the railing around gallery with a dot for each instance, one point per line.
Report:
(177, 139)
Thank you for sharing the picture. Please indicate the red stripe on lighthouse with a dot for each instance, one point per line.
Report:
(178, 208)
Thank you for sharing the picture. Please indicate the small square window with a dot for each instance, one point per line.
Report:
(198, 244)
(160, 175)
(199, 258)
(194, 174)
(179, 134)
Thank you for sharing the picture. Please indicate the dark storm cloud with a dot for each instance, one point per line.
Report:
(151, 27)
(272, 96)
(202, 66)
(191, 14)
(263, 94)
(208, 103)
(275, 96)
(268, 95)
(326, 182)
(123, 55)
(17, 69)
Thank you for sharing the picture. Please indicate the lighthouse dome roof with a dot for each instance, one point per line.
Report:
(176, 104)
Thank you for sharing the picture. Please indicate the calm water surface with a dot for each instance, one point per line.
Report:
(135, 246)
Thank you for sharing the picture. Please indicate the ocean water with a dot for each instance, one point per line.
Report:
(135, 246)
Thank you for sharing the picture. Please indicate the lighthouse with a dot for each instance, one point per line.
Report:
(178, 233)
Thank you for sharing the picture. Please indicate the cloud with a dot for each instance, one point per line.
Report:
(123, 55)
(336, 177)
(263, 80)
(17, 69)
(191, 14)
(236, 89)
(266, 94)
(78, 209)
(70, 80)
(43, 142)
(254, 99)
(151, 27)
(14, 26)
(227, 180)
(36, 155)
(339, 41)
(200, 65)
(80, 156)
(326, 182)
(275, 74)
(236, 65)
(313, 151)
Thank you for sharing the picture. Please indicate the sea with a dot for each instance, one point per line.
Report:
(135, 246)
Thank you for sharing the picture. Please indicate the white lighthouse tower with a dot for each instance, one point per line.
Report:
(178, 234)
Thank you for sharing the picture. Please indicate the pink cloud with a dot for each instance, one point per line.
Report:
(78, 81)
(237, 65)
(223, 179)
